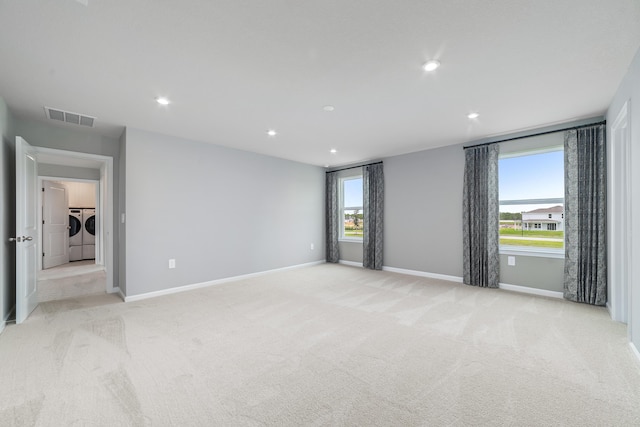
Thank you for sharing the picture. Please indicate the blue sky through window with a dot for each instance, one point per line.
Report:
(536, 176)
(353, 192)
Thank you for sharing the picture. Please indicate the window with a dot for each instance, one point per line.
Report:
(351, 208)
(531, 186)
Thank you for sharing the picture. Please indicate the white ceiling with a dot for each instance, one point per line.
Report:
(235, 68)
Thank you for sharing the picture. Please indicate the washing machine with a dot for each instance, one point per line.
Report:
(76, 224)
(89, 234)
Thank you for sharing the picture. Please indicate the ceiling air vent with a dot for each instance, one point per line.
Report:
(69, 117)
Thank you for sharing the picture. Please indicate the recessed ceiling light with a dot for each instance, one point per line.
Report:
(431, 65)
(162, 100)
(473, 115)
(328, 108)
(272, 132)
(333, 151)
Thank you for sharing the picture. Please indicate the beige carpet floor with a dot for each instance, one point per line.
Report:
(327, 345)
(77, 285)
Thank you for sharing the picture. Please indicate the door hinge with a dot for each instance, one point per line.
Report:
(43, 221)
(43, 189)
(43, 254)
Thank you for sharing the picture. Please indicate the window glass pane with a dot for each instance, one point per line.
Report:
(531, 226)
(532, 177)
(353, 192)
(539, 225)
(353, 224)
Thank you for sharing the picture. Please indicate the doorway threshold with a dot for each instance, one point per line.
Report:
(69, 270)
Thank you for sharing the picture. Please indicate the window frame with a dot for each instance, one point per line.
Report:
(343, 208)
(528, 250)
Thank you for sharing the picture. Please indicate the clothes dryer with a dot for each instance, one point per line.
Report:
(76, 225)
(89, 234)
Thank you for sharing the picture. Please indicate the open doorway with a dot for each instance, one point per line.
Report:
(30, 163)
(68, 221)
(88, 182)
(67, 266)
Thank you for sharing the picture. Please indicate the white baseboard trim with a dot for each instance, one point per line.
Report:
(350, 263)
(505, 286)
(423, 274)
(214, 282)
(532, 291)
(635, 350)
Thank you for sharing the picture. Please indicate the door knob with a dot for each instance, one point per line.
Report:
(21, 239)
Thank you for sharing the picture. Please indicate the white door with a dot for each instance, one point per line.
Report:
(26, 229)
(55, 224)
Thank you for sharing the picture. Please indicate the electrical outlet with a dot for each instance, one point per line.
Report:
(511, 260)
(312, 246)
(172, 263)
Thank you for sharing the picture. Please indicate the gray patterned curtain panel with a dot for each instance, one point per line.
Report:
(332, 217)
(373, 199)
(585, 264)
(480, 207)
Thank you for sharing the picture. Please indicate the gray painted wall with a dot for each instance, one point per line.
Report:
(351, 251)
(533, 272)
(122, 229)
(218, 212)
(423, 211)
(629, 90)
(72, 138)
(7, 214)
(66, 137)
(68, 172)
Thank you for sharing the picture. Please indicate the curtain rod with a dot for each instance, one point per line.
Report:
(603, 122)
(353, 167)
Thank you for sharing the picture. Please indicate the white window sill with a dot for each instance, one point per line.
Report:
(343, 239)
(527, 251)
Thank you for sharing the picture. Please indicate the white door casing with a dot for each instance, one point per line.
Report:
(104, 200)
(620, 218)
(55, 224)
(26, 229)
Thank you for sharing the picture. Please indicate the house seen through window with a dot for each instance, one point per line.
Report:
(532, 200)
(351, 208)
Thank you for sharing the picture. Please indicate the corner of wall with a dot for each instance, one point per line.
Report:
(7, 212)
(121, 215)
